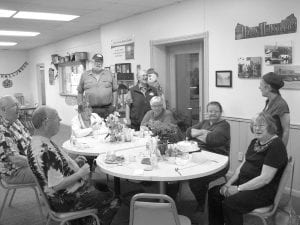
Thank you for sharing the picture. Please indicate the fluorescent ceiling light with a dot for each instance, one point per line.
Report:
(44, 16)
(3, 43)
(6, 13)
(18, 33)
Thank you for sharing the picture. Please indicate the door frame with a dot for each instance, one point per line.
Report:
(41, 83)
(159, 61)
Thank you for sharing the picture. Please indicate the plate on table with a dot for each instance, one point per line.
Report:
(187, 146)
(114, 160)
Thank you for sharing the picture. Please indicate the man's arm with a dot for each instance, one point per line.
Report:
(19, 160)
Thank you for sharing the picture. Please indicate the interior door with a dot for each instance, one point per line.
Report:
(186, 80)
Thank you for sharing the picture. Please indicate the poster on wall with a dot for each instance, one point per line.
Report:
(290, 75)
(278, 54)
(249, 67)
(122, 49)
(285, 26)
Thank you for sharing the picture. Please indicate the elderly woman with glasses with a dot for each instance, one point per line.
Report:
(255, 181)
(212, 134)
(85, 122)
(157, 112)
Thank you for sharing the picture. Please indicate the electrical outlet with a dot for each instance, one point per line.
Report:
(240, 156)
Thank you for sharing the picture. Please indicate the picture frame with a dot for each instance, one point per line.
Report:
(123, 68)
(224, 78)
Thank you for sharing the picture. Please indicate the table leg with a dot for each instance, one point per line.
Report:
(162, 187)
(117, 186)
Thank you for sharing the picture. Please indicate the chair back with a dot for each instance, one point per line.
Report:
(283, 181)
(149, 209)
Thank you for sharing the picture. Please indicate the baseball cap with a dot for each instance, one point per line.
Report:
(98, 57)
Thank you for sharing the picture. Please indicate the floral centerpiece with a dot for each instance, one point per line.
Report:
(114, 126)
(166, 133)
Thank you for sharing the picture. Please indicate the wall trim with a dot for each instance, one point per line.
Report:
(237, 119)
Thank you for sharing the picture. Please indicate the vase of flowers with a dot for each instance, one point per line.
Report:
(114, 126)
(166, 133)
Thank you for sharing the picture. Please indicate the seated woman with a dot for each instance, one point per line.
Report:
(255, 181)
(85, 122)
(213, 135)
(157, 112)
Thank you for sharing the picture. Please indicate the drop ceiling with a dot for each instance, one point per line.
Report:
(93, 14)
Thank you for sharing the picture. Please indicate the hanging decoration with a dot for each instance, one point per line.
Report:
(15, 73)
(7, 83)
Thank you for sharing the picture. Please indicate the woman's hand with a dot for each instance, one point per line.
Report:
(196, 132)
(223, 190)
(231, 190)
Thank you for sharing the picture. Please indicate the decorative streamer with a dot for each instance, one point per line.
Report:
(15, 73)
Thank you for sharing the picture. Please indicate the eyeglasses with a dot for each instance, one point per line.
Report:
(213, 111)
(259, 126)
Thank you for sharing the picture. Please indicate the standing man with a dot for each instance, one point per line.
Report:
(99, 87)
(138, 100)
(14, 142)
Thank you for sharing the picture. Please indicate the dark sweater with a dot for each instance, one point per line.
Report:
(218, 140)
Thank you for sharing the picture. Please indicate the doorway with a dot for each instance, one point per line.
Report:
(40, 68)
(182, 63)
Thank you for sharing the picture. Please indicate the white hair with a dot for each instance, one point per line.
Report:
(156, 99)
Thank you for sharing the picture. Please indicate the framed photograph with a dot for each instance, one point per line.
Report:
(123, 68)
(290, 75)
(224, 78)
(249, 67)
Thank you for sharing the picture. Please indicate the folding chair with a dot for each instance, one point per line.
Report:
(268, 212)
(149, 209)
(13, 188)
(64, 217)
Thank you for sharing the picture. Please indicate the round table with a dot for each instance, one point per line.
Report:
(96, 145)
(207, 163)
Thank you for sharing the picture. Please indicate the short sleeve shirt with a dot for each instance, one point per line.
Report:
(14, 140)
(98, 93)
(277, 108)
(274, 155)
(50, 165)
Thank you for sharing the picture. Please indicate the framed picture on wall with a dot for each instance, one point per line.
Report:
(123, 68)
(224, 78)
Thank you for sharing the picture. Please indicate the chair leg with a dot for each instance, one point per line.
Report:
(48, 219)
(11, 198)
(3, 204)
(97, 219)
(38, 201)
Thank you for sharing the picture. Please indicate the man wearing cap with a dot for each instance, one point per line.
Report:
(99, 87)
(138, 100)
(275, 104)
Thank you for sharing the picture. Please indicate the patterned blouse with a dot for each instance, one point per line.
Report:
(50, 166)
(14, 140)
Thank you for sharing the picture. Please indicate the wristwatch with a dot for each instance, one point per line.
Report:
(238, 188)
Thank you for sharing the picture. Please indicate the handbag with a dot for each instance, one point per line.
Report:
(286, 215)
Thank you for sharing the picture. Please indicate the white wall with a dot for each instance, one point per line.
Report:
(244, 99)
(10, 61)
(168, 22)
(219, 18)
(89, 42)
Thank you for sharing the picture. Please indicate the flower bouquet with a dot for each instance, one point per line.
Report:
(114, 126)
(166, 133)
